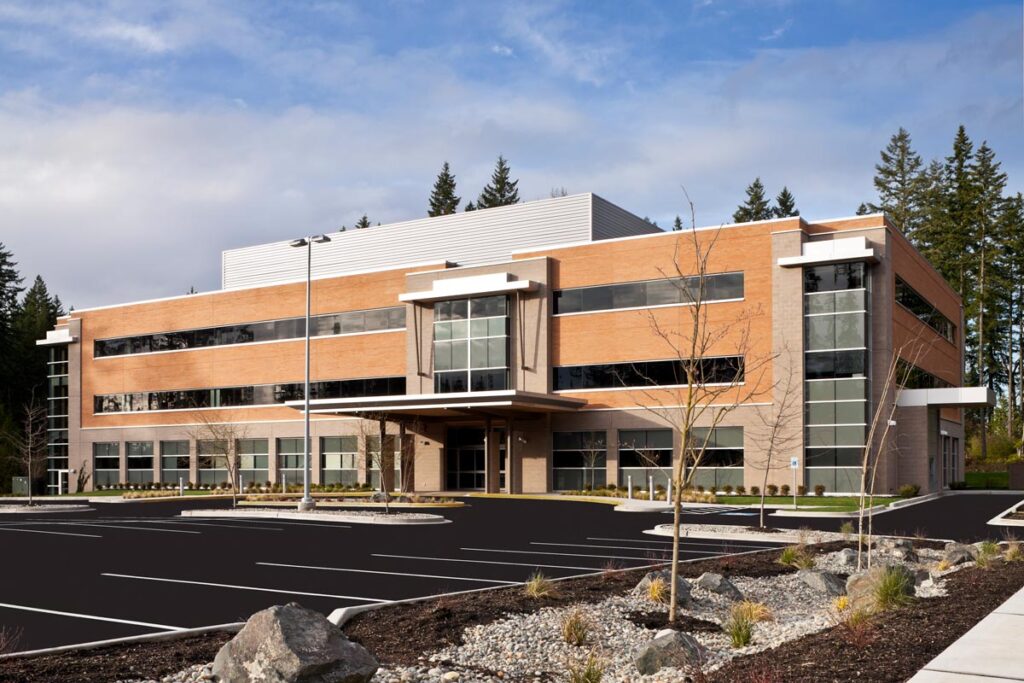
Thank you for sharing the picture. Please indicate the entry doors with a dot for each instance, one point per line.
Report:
(466, 459)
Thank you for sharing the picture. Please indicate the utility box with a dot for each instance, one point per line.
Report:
(1016, 470)
(19, 486)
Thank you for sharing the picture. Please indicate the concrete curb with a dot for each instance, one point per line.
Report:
(234, 627)
(999, 520)
(52, 509)
(665, 531)
(336, 518)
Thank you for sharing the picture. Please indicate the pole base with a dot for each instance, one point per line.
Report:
(306, 504)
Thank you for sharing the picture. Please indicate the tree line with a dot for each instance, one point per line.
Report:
(25, 316)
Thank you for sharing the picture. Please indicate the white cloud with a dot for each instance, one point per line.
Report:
(778, 32)
(501, 50)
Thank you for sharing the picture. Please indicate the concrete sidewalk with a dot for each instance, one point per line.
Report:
(991, 651)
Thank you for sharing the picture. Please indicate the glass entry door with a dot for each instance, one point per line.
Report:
(466, 459)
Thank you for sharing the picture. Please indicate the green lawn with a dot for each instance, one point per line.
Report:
(830, 503)
(988, 480)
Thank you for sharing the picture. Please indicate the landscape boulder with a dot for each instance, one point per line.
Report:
(848, 557)
(959, 553)
(292, 644)
(669, 648)
(905, 555)
(896, 543)
(861, 587)
(824, 582)
(682, 585)
(716, 583)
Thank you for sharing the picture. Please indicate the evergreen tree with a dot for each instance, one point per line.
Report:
(677, 224)
(442, 198)
(898, 182)
(470, 206)
(10, 289)
(37, 313)
(785, 204)
(502, 190)
(863, 209)
(362, 223)
(756, 207)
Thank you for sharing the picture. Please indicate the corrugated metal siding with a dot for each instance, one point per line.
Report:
(610, 221)
(465, 238)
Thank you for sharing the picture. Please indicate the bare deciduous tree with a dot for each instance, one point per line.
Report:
(373, 428)
(716, 363)
(592, 451)
(28, 442)
(780, 429)
(222, 445)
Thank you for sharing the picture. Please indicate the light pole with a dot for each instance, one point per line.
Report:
(307, 500)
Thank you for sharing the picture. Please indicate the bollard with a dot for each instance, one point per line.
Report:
(629, 487)
(181, 486)
(650, 487)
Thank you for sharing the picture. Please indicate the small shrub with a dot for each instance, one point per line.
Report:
(891, 589)
(727, 488)
(1013, 552)
(589, 670)
(856, 628)
(801, 490)
(796, 556)
(784, 489)
(741, 490)
(819, 489)
(755, 612)
(700, 489)
(943, 565)
(658, 590)
(755, 490)
(539, 586)
(958, 485)
(739, 627)
(846, 529)
(575, 628)
(841, 604)
(987, 551)
(772, 490)
(908, 490)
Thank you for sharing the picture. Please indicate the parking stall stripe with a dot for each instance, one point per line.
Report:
(93, 617)
(542, 552)
(223, 526)
(373, 571)
(508, 564)
(286, 522)
(245, 588)
(55, 533)
(131, 528)
(620, 547)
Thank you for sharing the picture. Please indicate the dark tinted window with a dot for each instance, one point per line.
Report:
(925, 312)
(717, 287)
(647, 373)
(834, 277)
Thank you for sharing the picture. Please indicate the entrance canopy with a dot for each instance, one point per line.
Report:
(506, 403)
(947, 397)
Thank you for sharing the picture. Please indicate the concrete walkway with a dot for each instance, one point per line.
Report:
(991, 651)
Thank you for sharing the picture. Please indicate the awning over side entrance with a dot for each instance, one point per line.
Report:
(949, 397)
(508, 403)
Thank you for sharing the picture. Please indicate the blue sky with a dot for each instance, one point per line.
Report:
(139, 139)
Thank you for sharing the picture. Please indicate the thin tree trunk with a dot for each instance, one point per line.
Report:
(982, 374)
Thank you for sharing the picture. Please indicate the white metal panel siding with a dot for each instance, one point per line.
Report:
(610, 221)
(465, 238)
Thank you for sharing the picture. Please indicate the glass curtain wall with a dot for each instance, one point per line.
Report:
(253, 461)
(722, 462)
(174, 462)
(471, 344)
(106, 463)
(57, 422)
(836, 326)
(140, 461)
(290, 454)
(645, 453)
(339, 460)
(579, 460)
(373, 458)
(211, 457)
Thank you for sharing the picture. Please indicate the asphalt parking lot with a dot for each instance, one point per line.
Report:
(133, 568)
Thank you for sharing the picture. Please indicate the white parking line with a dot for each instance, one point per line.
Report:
(93, 617)
(55, 533)
(372, 571)
(245, 588)
(687, 542)
(541, 552)
(223, 526)
(132, 528)
(682, 549)
(287, 522)
(509, 564)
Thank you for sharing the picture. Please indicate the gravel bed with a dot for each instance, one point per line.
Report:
(23, 509)
(200, 673)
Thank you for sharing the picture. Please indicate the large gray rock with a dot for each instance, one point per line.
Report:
(905, 555)
(292, 644)
(823, 582)
(861, 588)
(716, 583)
(682, 585)
(848, 556)
(669, 648)
(958, 553)
(895, 543)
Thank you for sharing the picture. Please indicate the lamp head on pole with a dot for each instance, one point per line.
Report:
(301, 242)
(320, 239)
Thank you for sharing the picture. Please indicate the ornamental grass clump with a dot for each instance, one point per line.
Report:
(1013, 552)
(987, 552)
(892, 589)
(856, 628)
(658, 590)
(846, 529)
(754, 612)
(575, 628)
(739, 626)
(589, 670)
(539, 586)
(797, 556)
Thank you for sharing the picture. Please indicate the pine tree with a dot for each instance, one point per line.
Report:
(362, 223)
(470, 206)
(442, 198)
(37, 313)
(502, 190)
(677, 224)
(10, 289)
(898, 182)
(756, 207)
(864, 209)
(785, 204)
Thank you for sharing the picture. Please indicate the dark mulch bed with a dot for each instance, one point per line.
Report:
(403, 633)
(902, 641)
(659, 620)
(102, 665)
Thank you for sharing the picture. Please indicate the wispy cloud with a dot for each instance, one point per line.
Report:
(778, 32)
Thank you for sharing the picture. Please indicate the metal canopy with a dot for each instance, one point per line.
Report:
(507, 403)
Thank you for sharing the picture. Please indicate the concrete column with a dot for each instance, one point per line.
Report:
(193, 461)
(122, 461)
(491, 461)
(510, 467)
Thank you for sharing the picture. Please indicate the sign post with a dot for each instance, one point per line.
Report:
(794, 464)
